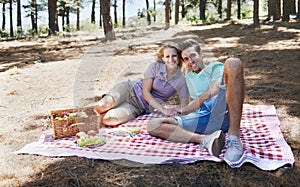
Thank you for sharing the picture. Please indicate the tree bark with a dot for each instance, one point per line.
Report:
(228, 12)
(182, 9)
(148, 14)
(3, 16)
(115, 12)
(78, 15)
(202, 8)
(52, 11)
(269, 11)
(293, 7)
(275, 9)
(124, 16)
(220, 8)
(154, 9)
(68, 18)
(287, 4)
(93, 19)
(100, 15)
(167, 14)
(107, 22)
(176, 12)
(298, 11)
(256, 13)
(239, 8)
(19, 17)
(35, 16)
(11, 19)
(32, 3)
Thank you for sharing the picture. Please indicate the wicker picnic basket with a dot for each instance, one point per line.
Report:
(66, 127)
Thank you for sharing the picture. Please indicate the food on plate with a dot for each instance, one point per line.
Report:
(86, 140)
(127, 131)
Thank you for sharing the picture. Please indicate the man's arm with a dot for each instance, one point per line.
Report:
(195, 104)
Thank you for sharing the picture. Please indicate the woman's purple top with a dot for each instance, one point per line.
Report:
(162, 89)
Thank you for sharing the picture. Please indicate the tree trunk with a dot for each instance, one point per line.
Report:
(68, 18)
(107, 23)
(269, 11)
(35, 16)
(239, 8)
(93, 19)
(124, 16)
(293, 7)
(202, 8)
(154, 9)
(298, 11)
(182, 9)
(11, 19)
(228, 12)
(19, 17)
(148, 14)
(63, 20)
(52, 11)
(167, 12)
(78, 15)
(32, 15)
(256, 12)
(115, 12)
(220, 9)
(100, 15)
(275, 9)
(287, 4)
(3, 16)
(176, 12)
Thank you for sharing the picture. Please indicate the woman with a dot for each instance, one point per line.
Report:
(162, 80)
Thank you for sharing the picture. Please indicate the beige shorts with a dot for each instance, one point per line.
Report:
(126, 100)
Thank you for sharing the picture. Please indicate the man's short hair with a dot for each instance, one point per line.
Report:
(190, 43)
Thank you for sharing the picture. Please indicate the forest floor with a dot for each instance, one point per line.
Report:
(42, 74)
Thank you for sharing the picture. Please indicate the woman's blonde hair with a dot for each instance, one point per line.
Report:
(160, 52)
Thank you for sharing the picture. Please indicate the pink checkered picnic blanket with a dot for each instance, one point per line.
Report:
(264, 144)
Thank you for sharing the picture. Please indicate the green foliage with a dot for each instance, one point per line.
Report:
(31, 32)
(19, 29)
(70, 28)
(19, 33)
(247, 12)
(88, 26)
(116, 25)
(4, 33)
(193, 19)
(43, 29)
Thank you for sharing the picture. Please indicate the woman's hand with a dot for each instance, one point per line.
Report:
(191, 107)
(169, 112)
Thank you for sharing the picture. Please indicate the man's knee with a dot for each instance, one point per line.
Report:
(234, 64)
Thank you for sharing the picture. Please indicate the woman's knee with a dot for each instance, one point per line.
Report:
(153, 125)
(110, 118)
(106, 103)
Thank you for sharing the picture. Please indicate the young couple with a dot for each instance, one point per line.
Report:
(216, 91)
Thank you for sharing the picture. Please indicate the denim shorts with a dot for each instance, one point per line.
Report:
(197, 121)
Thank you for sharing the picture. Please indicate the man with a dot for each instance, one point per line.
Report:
(217, 93)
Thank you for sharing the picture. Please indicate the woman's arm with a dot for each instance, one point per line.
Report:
(147, 87)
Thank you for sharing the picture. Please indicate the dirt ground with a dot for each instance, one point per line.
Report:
(39, 75)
